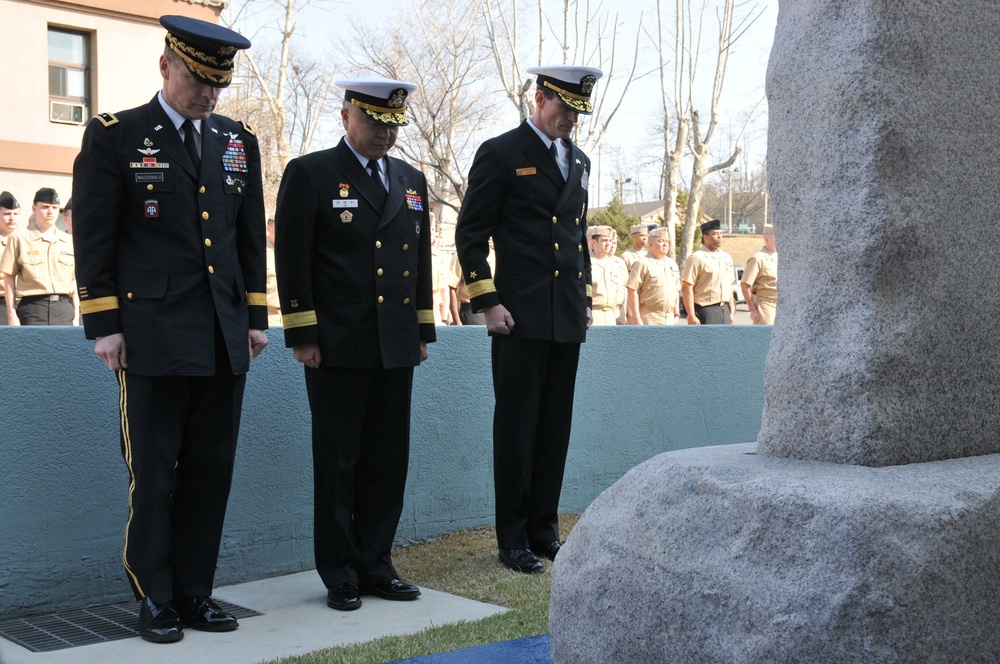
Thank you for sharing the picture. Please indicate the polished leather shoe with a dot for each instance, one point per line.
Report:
(159, 623)
(547, 549)
(344, 597)
(394, 589)
(201, 613)
(521, 560)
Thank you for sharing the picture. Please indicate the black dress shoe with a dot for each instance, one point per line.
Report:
(344, 597)
(159, 623)
(547, 549)
(394, 589)
(521, 560)
(201, 613)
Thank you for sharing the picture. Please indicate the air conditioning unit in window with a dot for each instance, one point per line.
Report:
(66, 113)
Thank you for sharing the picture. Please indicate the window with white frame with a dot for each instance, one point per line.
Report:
(69, 76)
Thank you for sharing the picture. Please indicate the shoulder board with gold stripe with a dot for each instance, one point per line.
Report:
(247, 128)
(107, 119)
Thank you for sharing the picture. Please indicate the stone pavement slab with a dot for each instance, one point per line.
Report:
(296, 621)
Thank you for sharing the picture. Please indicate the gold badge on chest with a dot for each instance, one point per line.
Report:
(345, 190)
(346, 216)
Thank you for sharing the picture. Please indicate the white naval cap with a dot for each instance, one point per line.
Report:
(574, 85)
(383, 99)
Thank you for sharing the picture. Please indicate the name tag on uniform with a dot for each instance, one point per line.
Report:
(345, 203)
(526, 171)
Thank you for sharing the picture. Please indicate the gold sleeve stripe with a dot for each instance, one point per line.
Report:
(300, 319)
(483, 287)
(257, 299)
(590, 291)
(425, 316)
(99, 305)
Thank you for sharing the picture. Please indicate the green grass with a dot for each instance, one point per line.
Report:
(463, 563)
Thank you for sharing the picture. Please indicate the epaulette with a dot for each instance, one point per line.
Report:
(247, 128)
(107, 119)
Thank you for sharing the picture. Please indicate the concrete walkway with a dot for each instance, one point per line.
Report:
(296, 621)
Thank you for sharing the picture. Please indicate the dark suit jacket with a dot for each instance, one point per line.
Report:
(538, 223)
(353, 280)
(162, 251)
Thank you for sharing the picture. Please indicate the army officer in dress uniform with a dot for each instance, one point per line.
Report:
(169, 229)
(353, 252)
(528, 191)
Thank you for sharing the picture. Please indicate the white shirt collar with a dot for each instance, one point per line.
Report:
(545, 139)
(363, 159)
(176, 118)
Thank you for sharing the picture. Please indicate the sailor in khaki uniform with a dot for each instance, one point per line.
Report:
(707, 280)
(9, 208)
(654, 284)
(760, 281)
(37, 266)
(608, 275)
(640, 236)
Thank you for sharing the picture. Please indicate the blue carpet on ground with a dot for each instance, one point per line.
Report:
(530, 650)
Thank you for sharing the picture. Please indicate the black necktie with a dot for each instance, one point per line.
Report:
(377, 179)
(555, 155)
(189, 144)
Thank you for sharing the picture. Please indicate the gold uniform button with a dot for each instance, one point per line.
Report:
(578, 221)
(129, 296)
(379, 272)
(149, 187)
(204, 215)
(406, 300)
(579, 275)
(406, 273)
(579, 247)
(405, 247)
(380, 299)
(557, 246)
(211, 270)
(202, 190)
(239, 190)
(378, 244)
(208, 243)
(557, 273)
(554, 220)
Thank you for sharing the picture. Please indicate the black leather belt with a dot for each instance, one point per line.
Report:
(48, 298)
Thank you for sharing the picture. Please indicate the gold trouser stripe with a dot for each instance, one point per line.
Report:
(425, 316)
(257, 299)
(482, 287)
(127, 439)
(99, 305)
(300, 319)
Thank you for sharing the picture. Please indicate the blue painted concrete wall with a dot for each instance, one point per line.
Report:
(63, 484)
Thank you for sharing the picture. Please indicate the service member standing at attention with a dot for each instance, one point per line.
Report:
(707, 280)
(9, 207)
(608, 276)
(528, 191)
(37, 266)
(353, 252)
(169, 230)
(760, 281)
(640, 237)
(654, 284)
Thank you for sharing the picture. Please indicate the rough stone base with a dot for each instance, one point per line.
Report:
(720, 555)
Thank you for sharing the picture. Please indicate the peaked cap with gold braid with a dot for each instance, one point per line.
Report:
(208, 50)
(573, 85)
(382, 99)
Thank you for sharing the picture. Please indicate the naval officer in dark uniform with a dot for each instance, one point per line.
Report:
(528, 190)
(169, 231)
(353, 256)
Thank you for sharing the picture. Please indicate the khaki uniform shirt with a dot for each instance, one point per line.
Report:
(273, 304)
(761, 275)
(3, 245)
(711, 273)
(630, 256)
(608, 288)
(456, 279)
(656, 282)
(41, 264)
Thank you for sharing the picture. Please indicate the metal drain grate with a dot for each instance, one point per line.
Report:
(81, 627)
